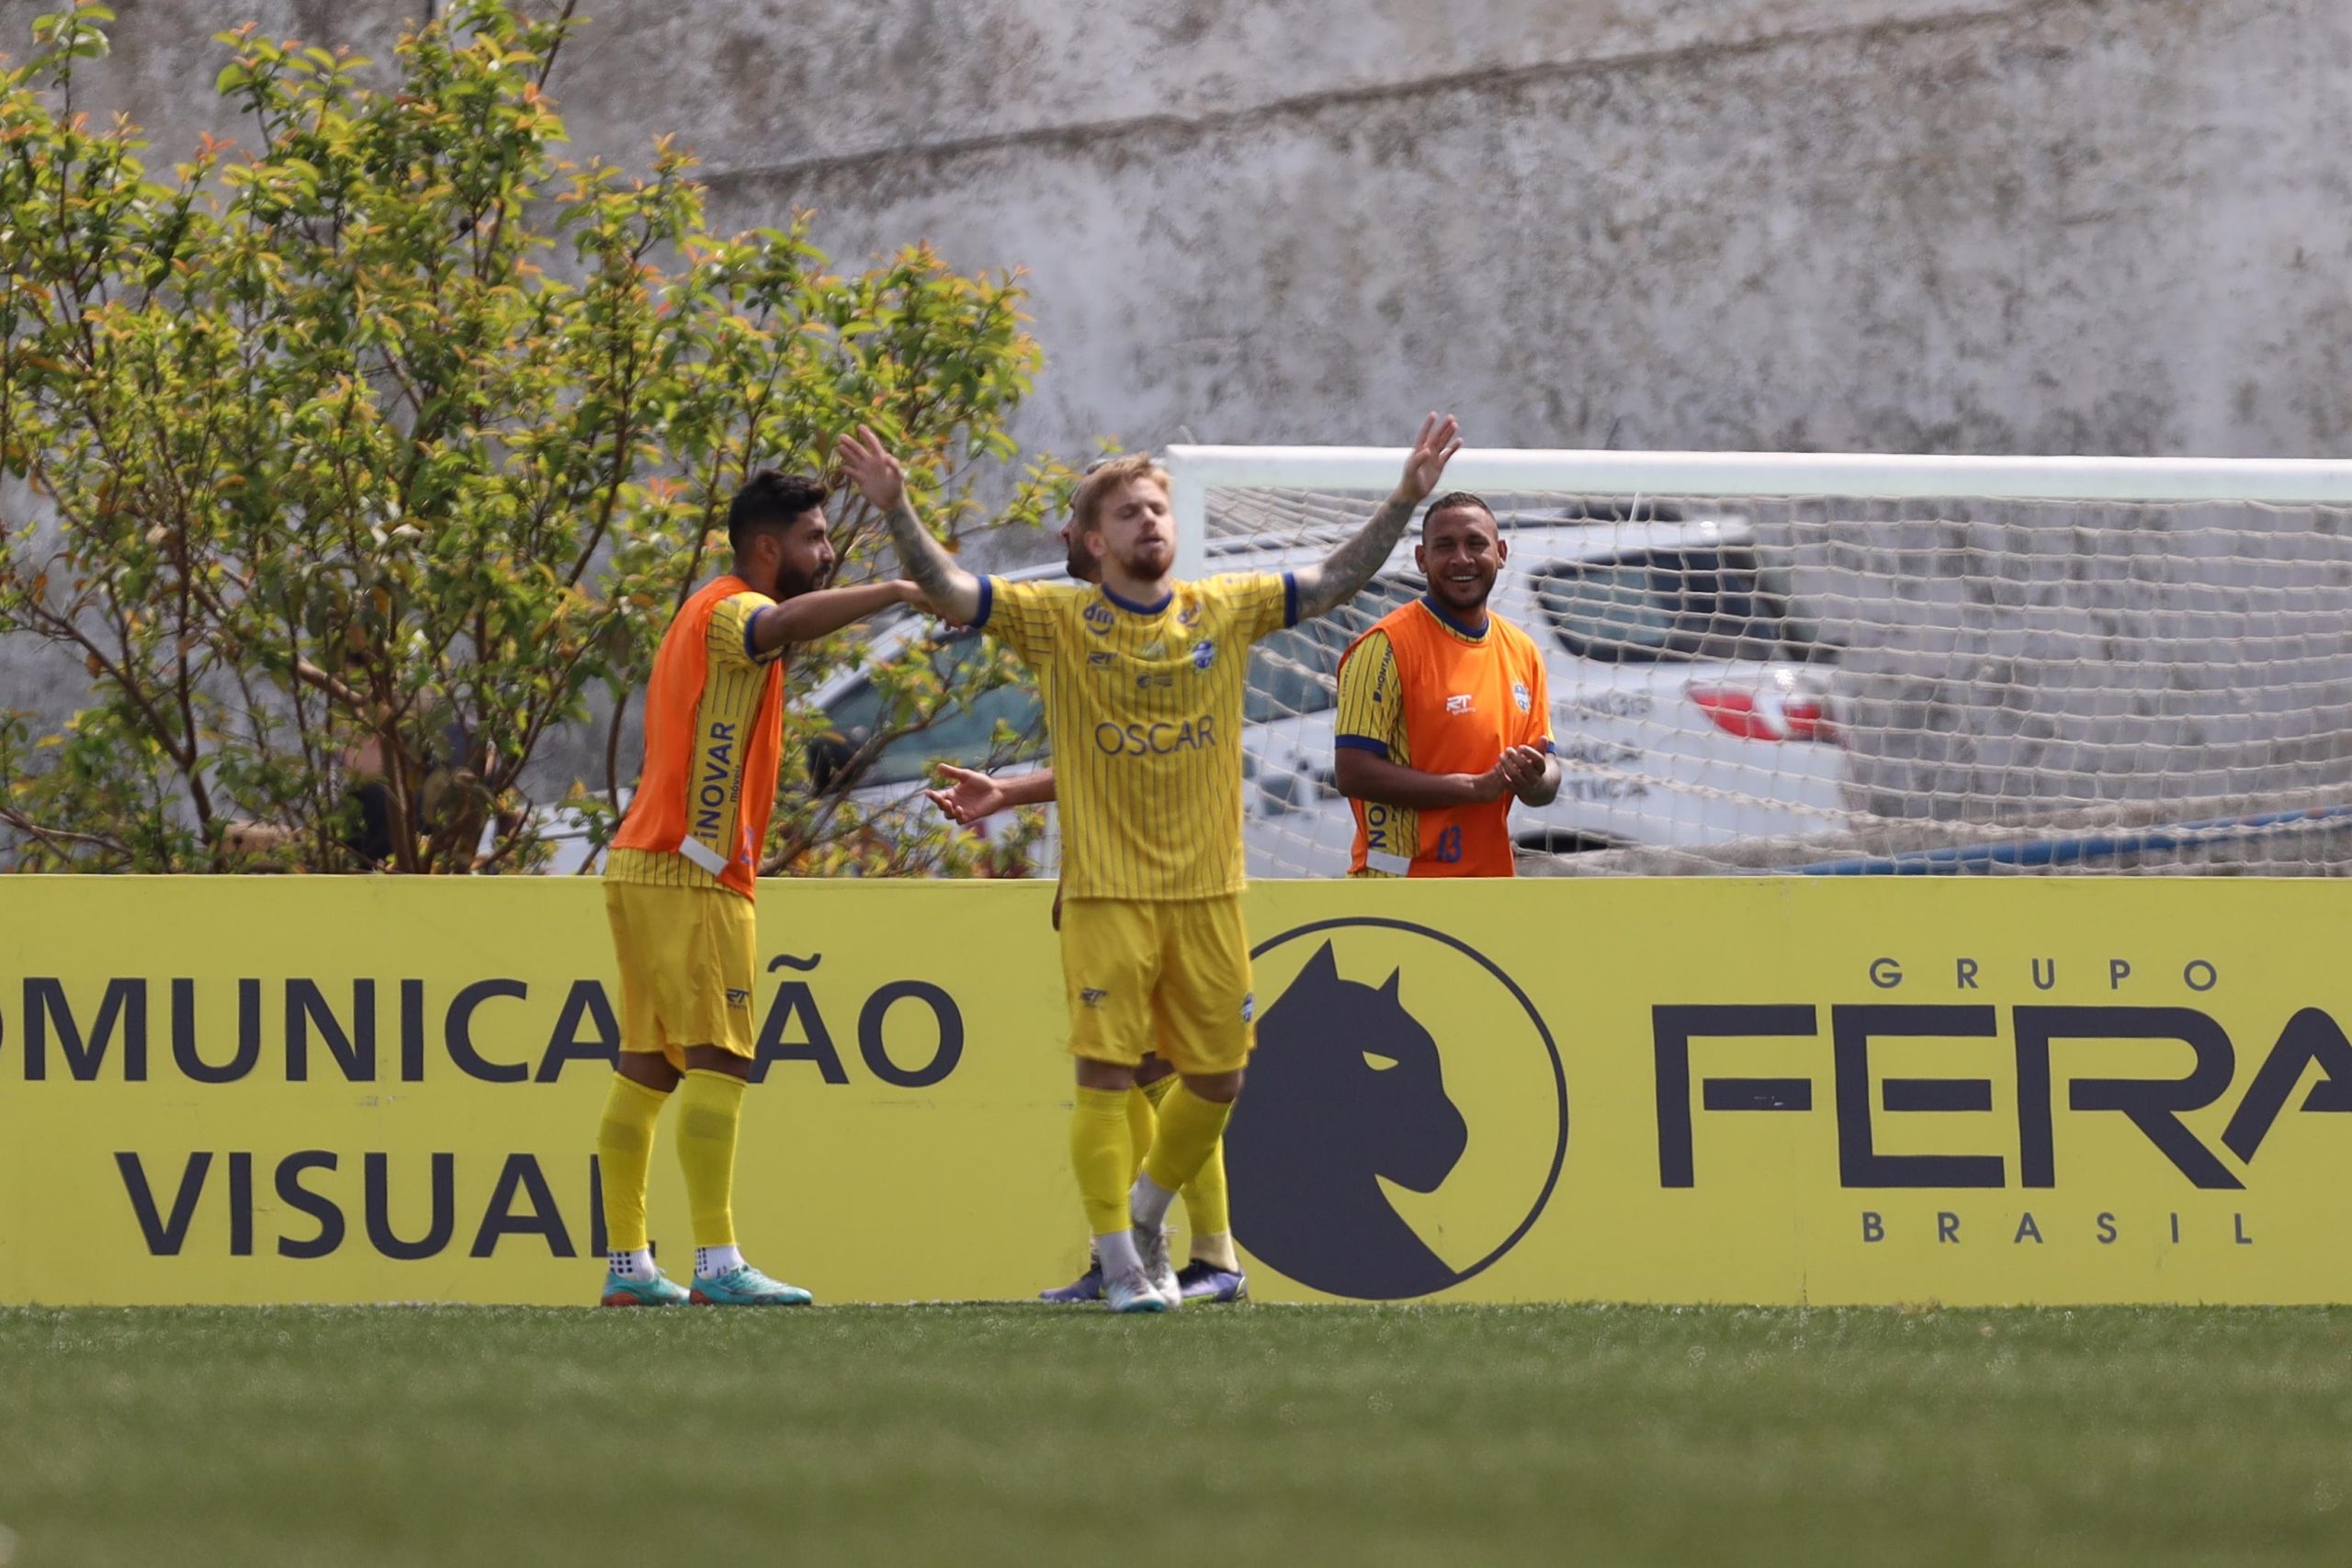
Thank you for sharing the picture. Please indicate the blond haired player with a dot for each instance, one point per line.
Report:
(1214, 1272)
(678, 884)
(1142, 677)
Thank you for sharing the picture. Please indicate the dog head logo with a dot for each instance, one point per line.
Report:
(1353, 1104)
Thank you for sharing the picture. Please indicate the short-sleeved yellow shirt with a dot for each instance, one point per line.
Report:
(1143, 708)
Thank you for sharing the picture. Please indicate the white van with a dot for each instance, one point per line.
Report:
(1687, 703)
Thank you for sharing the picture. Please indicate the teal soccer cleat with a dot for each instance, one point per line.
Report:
(746, 1287)
(654, 1293)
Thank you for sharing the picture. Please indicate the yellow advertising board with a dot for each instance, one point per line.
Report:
(1766, 1091)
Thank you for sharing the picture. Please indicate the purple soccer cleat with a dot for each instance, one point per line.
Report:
(1087, 1287)
(1205, 1282)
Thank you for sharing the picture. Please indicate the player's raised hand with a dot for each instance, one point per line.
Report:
(877, 475)
(1440, 439)
(969, 795)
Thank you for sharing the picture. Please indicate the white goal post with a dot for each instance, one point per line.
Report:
(1859, 662)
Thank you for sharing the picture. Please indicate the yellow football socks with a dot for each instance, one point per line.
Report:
(1101, 1152)
(1143, 1121)
(710, 1109)
(624, 1150)
(1206, 1210)
(1188, 1129)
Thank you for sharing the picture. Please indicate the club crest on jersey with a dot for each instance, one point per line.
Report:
(1248, 1006)
(1203, 654)
(1458, 702)
(1518, 694)
(1099, 619)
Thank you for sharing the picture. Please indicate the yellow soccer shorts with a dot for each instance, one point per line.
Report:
(1169, 975)
(687, 957)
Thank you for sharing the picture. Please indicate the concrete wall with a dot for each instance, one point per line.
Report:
(1847, 224)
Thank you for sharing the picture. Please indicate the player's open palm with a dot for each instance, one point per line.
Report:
(877, 475)
(1440, 439)
(969, 795)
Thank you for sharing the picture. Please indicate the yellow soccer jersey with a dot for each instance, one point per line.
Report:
(1143, 708)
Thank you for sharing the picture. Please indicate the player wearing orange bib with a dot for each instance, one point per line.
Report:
(678, 884)
(1142, 677)
(1444, 714)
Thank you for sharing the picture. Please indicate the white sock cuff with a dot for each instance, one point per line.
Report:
(1147, 1200)
(1117, 1253)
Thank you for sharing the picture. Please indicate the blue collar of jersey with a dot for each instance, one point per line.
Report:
(1473, 633)
(1132, 608)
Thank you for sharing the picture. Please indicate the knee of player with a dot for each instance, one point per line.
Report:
(1220, 1089)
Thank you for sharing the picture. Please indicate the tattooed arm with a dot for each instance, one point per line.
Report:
(951, 592)
(1325, 587)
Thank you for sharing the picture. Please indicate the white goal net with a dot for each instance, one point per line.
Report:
(1860, 664)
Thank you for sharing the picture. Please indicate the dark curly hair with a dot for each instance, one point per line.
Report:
(771, 499)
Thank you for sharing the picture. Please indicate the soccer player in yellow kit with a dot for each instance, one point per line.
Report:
(1142, 677)
(1214, 1272)
(680, 880)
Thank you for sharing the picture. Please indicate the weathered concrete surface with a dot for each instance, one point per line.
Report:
(2046, 225)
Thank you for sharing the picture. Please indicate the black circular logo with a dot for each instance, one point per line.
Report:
(1406, 1116)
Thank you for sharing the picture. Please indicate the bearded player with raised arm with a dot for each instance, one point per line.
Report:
(1214, 1272)
(1142, 677)
(679, 882)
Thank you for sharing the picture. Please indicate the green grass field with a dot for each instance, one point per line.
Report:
(986, 1434)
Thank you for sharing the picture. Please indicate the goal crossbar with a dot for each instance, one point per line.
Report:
(2285, 481)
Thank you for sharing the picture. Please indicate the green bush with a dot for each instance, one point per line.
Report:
(378, 423)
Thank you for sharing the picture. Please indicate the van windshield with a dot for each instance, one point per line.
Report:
(1296, 670)
(1673, 606)
(964, 731)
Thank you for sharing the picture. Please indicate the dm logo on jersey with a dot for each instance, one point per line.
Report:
(1203, 654)
(1407, 1114)
(1518, 694)
(1187, 616)
(1099, 619)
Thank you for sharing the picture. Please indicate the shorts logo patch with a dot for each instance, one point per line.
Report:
(736, 999)
(1248, 1006)
(1518, 694)
(1203, 654)
(1093, 995)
